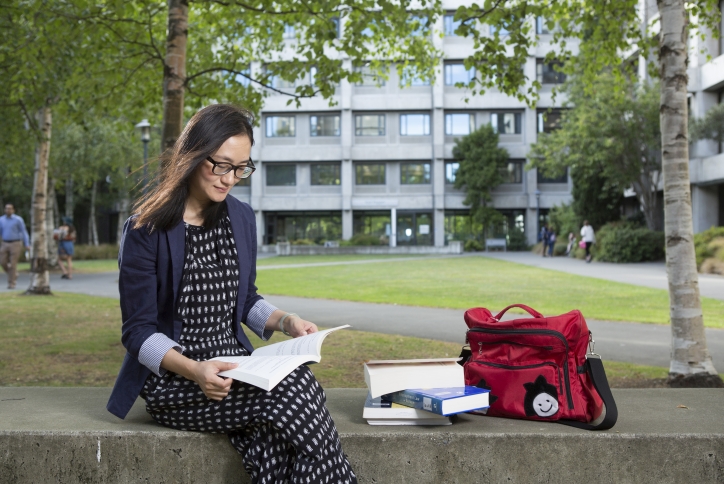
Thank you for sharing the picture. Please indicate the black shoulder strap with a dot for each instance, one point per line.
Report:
(594, 366)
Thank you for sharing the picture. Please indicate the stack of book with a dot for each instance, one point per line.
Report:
(418, 392)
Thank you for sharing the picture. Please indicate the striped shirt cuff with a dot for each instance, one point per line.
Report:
(257, 318)
(154, 349)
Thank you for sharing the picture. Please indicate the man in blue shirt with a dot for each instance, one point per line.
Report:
(15, 237)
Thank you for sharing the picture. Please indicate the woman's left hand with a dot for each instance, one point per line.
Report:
(297, 326)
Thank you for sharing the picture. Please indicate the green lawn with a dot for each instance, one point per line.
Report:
(313, 259)
(74, 340)
(461, 283)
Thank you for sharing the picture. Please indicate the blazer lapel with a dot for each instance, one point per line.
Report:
(237, 228)
(176, 245)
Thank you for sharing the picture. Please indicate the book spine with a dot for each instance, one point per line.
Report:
(414, 400)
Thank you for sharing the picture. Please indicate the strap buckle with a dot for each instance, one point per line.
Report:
(591, 346)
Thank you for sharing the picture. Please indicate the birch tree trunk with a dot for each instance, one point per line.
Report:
(39, 275)
(691, 365)
(123, 209)
(51, 217)
(174, 73)
(92, 225)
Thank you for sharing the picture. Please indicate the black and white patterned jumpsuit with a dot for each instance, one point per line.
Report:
(284, 435)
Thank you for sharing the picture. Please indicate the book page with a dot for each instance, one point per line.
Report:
(304, 345)
(265, 367)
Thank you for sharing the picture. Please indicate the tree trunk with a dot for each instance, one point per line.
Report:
(39, 275)
(691, 365)
(123, 208)
(174, 73)
(50, 223)
(92, 226)
(69, 204)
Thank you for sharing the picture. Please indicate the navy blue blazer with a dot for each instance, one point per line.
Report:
(151, 266)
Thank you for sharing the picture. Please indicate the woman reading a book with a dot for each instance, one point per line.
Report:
(187, 283)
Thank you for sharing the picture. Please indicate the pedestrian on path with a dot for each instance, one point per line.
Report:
(65, 235)
(15, 237)
(570, 248)
(187, 230)
(551, 240)
(543, 237)
(589, 238)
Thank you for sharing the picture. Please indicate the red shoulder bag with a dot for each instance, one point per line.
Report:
(538, 368)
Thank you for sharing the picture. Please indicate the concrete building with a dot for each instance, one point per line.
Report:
(380, 161)
(706, 158)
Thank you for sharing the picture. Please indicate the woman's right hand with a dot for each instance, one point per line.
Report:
(205, 373)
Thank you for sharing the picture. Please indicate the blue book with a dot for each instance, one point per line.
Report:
(442, 401)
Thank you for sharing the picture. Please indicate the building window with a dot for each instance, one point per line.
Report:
(409, 78)
(325, 173)
(370, 77)
(512, 172)
(414, 173)
(317, 227)
(327, 125)
(459, 124)
(414, 124)
(369, 125)
(549, 72)
(420, 24)
(450, 25)
(451, 170)
(369, 173)
(281, 175)
(456, 73)
(288, 31)
(376, 224)
(549, 121)
(541, 28)
(243, 77)
(280, 126)
(506, 123)
(500, 30)
(552, 179)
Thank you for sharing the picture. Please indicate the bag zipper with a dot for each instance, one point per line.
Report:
(523, 367)
(548, 332)
(508, 342)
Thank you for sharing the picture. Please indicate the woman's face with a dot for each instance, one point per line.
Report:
(207, 187)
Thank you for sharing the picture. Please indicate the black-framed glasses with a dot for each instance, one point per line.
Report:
(222, 168)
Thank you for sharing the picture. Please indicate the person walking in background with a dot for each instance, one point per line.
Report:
(543, 237)
(570, 248)
(551, 240)
(15, 237)
(589, 238)
(65, 235)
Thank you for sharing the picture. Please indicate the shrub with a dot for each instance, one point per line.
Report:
(303, 242)
(560, 248)
(517, 240)
(708, 244)
(627, 242)
(96, 252)
(565, 220)
(365, 239)
(473, 245)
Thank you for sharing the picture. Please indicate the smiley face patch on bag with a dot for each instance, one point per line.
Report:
(541, 398)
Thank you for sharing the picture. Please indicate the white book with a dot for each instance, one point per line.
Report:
(387, 376)
(269, 365)
(428, 421)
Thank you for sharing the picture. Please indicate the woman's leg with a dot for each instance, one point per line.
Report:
(61, 257)
(284, 435)
(70, 267)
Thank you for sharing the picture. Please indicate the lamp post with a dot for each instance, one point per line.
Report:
(537, 211)
(145, 128)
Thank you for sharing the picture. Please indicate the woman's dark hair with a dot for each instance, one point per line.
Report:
(163, 206)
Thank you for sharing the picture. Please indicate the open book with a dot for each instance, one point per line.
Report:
(269, 365)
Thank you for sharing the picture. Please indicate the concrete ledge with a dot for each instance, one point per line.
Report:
(285, 248)
(65, 435)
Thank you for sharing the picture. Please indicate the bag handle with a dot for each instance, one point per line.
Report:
(528, 309)
(594, 366)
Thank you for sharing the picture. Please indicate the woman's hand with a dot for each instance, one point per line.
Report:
(205, 373)
(297, 326)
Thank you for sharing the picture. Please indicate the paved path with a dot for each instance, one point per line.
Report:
(646, 344)
(649, 274)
